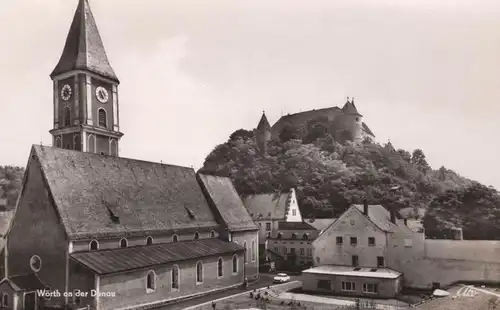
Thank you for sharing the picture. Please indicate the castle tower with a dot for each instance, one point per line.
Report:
(85, 91)
(352, 120)
(263, 133)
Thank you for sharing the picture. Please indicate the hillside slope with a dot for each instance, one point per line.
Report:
(328, 176)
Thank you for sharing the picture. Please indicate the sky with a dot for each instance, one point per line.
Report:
(424, 74)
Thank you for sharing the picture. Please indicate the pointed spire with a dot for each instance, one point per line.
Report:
(84, 49)
(350, 108)
(263, 123)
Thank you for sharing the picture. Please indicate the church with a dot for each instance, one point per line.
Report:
(99, 231)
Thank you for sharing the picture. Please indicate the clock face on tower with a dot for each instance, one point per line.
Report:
(102, 94)
(66, 92)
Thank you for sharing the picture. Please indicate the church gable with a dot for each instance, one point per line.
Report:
(99, 196)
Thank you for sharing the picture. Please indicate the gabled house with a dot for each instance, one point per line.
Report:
(268, 209)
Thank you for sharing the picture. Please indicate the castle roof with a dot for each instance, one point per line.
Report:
(84, 49)
(106, 196)
(227, 203)
(269, 206)
(350, 108)
(263, 123)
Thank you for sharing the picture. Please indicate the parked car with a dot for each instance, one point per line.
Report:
(281, 278)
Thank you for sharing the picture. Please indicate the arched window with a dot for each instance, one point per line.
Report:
(196, 236)
(175, 277)
(58, 142)
(113, 146)
(279, 236)
(305, 237)
(151, 281)
(212, 234)
(253, 250)
(199, 272)
(294, 236)
(220, 268)
(103, 120)
(91, 144)
(149, 240)
(67, 116)
(123, 243)
(35, 263)
(247, 252)
(5, 300)
(175, 238)
(235, 263)
(94, 245)
(77, 144)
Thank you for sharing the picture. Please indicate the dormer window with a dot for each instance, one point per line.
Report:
(305, 237)
(196, 236)
(149, 240)
(279, 236)
(294, 236)
(175, 238)
(212, 234)
(123, 243)
(94, 245)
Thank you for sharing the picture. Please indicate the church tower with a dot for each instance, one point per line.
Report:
(85, 91)
(263, 133)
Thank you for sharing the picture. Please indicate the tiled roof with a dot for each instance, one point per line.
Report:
(301, 119)
(101, 196)
(282, 225)
(124, 259)
(263, 123)
(227, 202)
(350, 108)
(381, 217)
(28, 282)
(320, 224)
(271, 206)
(84, 49)
(367, 130)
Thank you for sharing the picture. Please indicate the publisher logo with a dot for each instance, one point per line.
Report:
(467, 291)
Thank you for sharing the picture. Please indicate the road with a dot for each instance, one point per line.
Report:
(264, 280)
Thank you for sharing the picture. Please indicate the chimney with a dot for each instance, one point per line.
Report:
(393, 217)
(365, 207)
(406, 222)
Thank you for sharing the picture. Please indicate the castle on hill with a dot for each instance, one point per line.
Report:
(344, 124)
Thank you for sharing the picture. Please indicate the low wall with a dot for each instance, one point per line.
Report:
(473, 250)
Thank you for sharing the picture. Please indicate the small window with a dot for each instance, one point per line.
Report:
(371, 241)
(175, 277)
(103, 121)
(35, 263)
(380, 261)
(268, 234)
(294, 236)
(123, 243)
(302, 251)
(5, 300)
(199, 273)
(58, 142)
(220, 268)
(235, 264)
(349, 286)
(268, 226)
(150, 281)
(355, 261)
(294, 212)
(354, 241)
(353, 222)
(340, 240)
(212, 234)
(94, 245)
(292, 250)
(305, 237)
(324, 285)
(370, 288)
(196, 236)
(254, 250)
(149, 240)
(175, 238)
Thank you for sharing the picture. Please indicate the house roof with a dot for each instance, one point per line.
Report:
(367, 130)
(84, 49)
(124, 259)
(270, 206)
(227, 202)
(381, 217)
(106, 196)
(320, 224)
(301, 118)
(384, 273)
(27, 282)
(282, 225)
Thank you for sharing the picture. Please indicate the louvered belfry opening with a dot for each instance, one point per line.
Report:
(102, 118)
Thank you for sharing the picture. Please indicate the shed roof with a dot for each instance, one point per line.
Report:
(227, 202)
(106, 196)
(125, 259)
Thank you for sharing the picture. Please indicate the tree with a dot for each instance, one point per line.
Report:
(241, 133)
(418, 160)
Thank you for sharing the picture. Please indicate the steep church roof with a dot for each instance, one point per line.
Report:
(264, 123)
(99, 196)
(350, 108)
(84, 49)
(227, 202)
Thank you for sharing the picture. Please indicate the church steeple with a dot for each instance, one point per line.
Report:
(263, 133)
(84, 49)
(350, 108)
(86, 109)
(263, 123)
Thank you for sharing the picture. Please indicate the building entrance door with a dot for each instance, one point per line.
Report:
(30, 301)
